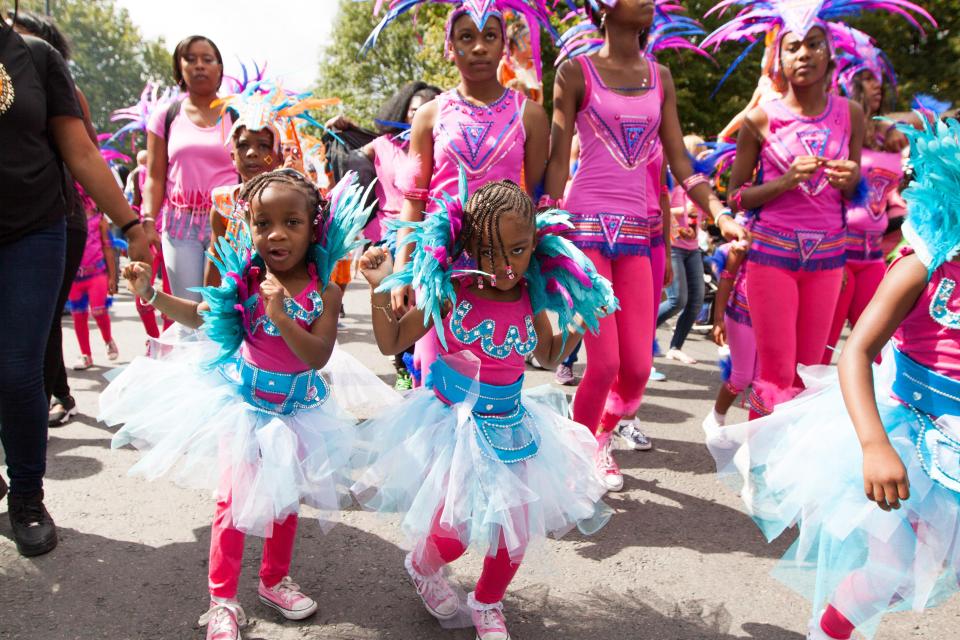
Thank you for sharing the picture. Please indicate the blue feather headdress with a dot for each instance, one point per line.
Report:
(933, 224)
(233, 303)
(560, 277)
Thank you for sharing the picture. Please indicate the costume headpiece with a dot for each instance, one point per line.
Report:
(671, 29)
(855, 52)
(758, 18)
(560, 277)
(239, 85)
(153, 98)
(933, 224)
(535, 12)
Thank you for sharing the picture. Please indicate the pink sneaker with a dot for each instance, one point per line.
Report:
(488, 620)
(287, 598)
(223, 620)
(438, 596)
(607, 468)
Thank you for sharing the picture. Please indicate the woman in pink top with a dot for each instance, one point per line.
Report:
(186, 163)
(494, 133)
(623, 106)
(807, 145)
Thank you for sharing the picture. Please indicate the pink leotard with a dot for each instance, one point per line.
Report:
(610, 197)
(866, 224)
(488, 142)
(500, 334)
(930, 334)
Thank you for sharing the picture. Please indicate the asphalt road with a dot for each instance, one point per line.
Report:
(679, 560)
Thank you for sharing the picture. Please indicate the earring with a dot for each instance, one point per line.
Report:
(510, 275)
(480, 282)
(603, 20)
(493, 279)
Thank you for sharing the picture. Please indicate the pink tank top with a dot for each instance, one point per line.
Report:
(92, 261)
(263, 345)
(487, 141)
(680, 200)
(500, 334)
(930, 334)
(388, 154)
(866, 224)
(610, 198)
(814, 205)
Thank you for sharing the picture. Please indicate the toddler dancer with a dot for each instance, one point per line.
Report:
(259, 427)
(472, 462)
(868, 467)
(93, 285)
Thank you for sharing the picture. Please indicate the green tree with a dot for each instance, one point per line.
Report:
(111, 59)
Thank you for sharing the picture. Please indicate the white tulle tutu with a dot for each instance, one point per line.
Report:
(192, 423)
(424, 461)
(803, 465)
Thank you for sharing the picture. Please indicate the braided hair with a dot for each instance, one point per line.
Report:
(481, 218)
(254, 188)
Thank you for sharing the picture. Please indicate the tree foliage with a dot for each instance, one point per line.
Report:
(413, 49)
(111, 59)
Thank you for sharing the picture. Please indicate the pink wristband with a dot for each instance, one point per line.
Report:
(416, 194)
(693, 181)
(546, 202)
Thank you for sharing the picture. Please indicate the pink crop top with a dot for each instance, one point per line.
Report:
(619, 136)
(487, 141)
(882, 172)
(500, 334)
(264, 347)
(814, 205)
(930, 334)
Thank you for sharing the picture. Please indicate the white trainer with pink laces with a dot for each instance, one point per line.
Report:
(438, 596)
(223, 620)
(488, 619)
(607, 468)
(287, 598)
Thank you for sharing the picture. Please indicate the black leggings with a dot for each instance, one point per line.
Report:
(54, 371)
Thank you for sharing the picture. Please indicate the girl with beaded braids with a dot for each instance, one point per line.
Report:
(246, 413)
(623, 105)
(865, 463)
(472, 461)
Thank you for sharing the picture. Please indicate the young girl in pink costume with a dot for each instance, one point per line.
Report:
(473, 461)
(796, 167)
(92, 287)
(867, 468)
(861, 71)
(623, 107)
(494, 133)
(245, 412)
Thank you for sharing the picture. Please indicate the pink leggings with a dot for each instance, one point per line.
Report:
(863, 278)
(743, 355)
(620, 356)
(226, 552)
(147, 313)
(791, 313)
(443, 546)
(90, 294)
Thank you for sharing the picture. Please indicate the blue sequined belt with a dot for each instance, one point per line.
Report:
(304, 390)
(502, 428)
(931, 395)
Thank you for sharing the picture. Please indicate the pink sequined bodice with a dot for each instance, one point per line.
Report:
(930, 334)
(500, 334)
(487, 141)
(263, 345)
(814, 205)
(619, 138)
(882, 172)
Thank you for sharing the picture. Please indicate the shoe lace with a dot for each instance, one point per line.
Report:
(605, 457)
(223, 617)
(433, 587)
(634, 432)
(287, 588)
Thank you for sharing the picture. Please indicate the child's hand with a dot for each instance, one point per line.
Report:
(884, 476)
(112, 286)
(139, 277)
(273, 295)
(375, 265)
(719, 333)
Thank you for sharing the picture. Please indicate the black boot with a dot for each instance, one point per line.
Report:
(3, 487)
(33, 528)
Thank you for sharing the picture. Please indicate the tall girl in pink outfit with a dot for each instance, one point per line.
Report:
(808, 147)
(493, 132)
(623, 107)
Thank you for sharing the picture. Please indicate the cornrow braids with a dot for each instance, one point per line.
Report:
(481, 218)
(254, 188)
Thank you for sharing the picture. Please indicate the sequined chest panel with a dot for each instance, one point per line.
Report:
(479, 137)
(939, 310)
(484, 332)
(304, 314)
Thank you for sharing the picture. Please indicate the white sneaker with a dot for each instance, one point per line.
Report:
(83, 362)
(680, 356)
(607, 468)
(488, 620)
(438, 596)
(633, 437)
(223, 620)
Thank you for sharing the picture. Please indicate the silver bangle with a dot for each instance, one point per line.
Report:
(152, 299)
